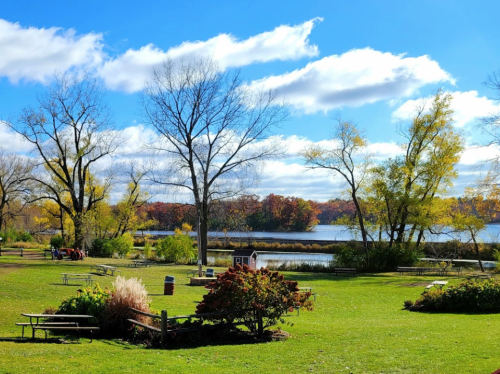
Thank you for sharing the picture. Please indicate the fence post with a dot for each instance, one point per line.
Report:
(22, 249)
(260, 325)
(164, 329)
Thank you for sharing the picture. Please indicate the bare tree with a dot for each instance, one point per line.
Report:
(70, 132)
(211, 127)
(15, 172)
(347, 157)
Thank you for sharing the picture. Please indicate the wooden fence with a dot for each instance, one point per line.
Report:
(164, 319)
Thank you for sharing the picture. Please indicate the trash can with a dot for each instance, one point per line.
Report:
(169, 285)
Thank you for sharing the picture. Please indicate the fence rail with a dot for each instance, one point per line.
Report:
(164, 319)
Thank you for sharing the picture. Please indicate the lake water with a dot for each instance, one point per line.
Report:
(341, 233)
(278, 258)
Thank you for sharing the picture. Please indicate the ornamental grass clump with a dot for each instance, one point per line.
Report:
(241, 288)
(127, 293)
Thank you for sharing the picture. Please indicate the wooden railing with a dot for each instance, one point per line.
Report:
(164, 319)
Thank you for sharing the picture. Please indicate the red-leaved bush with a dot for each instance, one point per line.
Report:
(241, 288)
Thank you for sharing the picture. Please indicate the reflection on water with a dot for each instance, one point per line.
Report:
(277, 258)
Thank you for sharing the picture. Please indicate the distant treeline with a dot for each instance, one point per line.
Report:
(246, 213)
(249, 213)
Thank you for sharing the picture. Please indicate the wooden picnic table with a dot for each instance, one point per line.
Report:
(437, 284)
(141, 263)
(66, 277)
(106, 269)
(479, 276)
(194, 272)
(54, 326)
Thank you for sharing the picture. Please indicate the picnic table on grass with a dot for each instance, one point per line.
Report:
(438, 284)
(66, 277)
(141, 263)
(70, 325)
(106, 269)
(194, 272)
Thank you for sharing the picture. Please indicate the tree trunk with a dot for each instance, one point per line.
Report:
(361, 225)
(476, 248)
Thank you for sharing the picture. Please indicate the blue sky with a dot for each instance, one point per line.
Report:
(369, 61)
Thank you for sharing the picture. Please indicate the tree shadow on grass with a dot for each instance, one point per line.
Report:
(49, 340)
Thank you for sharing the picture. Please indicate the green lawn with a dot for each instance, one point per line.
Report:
(358, 326)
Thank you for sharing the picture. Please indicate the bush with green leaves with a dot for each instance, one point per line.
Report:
(472, 296)
(178, 248)
(123, 244)
(57, 241)
(11, 236)
(241, 288)
(102, 248)
(91, 301)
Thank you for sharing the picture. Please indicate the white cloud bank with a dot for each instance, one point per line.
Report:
(354, 78)
(129, 71)
(468, 107)
(34, 54)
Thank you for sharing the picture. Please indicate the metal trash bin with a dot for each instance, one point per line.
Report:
(169, 285)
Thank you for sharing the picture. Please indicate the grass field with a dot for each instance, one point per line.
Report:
(358, 326)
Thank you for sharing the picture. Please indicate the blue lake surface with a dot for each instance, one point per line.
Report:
(339, 232)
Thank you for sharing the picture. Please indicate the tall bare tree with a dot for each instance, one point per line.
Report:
(210, 126)
(347, 158)
(70, 132)
(15, 172)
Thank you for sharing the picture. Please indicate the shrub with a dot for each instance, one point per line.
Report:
(123, 244)
(350, 256)
(383, 257)
(177, 248)
(90, 301)
(241, 288)
(57, 241)
(102, 248)
(127, 293)
(469, 296)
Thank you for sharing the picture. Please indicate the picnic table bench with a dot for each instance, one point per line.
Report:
(56, 326)
(437, 284)
(194, 272)
(141, 263)
(105, 269)
(477, 276)
(344, 271)
(66, 277)
(420, 270)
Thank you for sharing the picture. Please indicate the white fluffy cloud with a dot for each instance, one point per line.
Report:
(467, 106)
(354, 78)
(129, 71)
(34, 54)
(12, 142)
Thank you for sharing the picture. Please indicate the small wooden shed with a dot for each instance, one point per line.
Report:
(245, 256)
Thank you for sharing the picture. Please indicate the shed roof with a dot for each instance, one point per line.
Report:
(243, 252)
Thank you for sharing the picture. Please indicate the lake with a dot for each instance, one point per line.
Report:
(277, 258)
(339, 232)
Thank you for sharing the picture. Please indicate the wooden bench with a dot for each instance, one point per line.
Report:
(65, 328)
(24, 324)
(344, 271)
